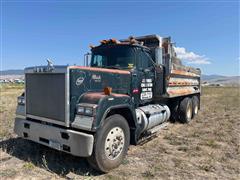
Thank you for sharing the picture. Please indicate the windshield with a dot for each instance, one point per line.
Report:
(119, 57)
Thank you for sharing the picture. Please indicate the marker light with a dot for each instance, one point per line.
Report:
(107, 90)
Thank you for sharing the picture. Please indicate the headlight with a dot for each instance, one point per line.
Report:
(86, 109)
(80, 110)
(21, 100)
(89, 111)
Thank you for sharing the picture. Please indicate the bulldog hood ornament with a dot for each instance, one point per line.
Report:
(50, 66)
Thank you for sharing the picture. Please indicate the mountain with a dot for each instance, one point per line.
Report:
(210, 79)
(12, 72)
(219, 79)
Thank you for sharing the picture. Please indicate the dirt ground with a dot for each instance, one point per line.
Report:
(207, 148)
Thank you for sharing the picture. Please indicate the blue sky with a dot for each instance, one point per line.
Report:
(207, 33)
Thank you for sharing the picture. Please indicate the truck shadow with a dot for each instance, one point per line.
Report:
(46, 158)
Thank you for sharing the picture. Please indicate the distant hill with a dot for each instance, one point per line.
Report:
(12, 72)
(212, 79)
(219, 79)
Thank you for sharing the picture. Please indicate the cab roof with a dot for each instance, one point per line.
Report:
(113, 42)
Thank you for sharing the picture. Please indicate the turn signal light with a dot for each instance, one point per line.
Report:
(107, 90)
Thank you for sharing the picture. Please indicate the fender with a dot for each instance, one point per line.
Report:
(107, 103)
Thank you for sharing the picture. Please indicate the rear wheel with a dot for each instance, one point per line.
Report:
(111, 144)
(185, 110)
(195, 106)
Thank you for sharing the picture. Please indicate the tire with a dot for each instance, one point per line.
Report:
(114, 134)
(185, 110)
(195, 106)
(174, 112)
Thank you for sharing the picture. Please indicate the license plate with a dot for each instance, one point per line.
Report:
(55, 145)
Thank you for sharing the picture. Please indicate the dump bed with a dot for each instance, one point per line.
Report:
(182, 81)
(179, 80)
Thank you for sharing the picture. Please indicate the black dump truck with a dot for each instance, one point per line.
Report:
(127, 90)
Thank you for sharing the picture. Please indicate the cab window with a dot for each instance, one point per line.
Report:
(144, 60)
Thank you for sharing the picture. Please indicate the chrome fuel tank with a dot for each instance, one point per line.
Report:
(152, 115)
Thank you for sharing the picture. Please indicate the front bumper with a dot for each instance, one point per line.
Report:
(70, 141)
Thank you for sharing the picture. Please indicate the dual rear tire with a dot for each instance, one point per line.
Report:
(195, 104)
(185, 110)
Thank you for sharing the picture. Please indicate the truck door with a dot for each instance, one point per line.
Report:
(146, 75)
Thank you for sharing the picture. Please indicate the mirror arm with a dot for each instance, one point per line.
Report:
(86, 59)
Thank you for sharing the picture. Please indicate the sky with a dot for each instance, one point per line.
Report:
(206, 33)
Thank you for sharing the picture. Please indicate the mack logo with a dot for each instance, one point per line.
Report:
(39, 69)
(49, 67)
(80, 79)
(42, 69)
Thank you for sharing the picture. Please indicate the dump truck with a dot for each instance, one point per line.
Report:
(124, 94)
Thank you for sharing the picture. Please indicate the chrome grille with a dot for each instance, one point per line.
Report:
(46, 96)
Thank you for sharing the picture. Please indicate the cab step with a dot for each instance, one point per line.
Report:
(151, 133)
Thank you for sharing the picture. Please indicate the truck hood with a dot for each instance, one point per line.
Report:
(89, 79)
(96, 79)
(63, 86)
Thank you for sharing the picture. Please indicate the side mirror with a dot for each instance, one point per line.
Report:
(87, 59)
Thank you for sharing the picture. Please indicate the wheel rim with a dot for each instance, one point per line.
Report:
(189, 113)
(114, 143)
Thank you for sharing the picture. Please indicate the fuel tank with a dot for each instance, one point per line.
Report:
(152, 115)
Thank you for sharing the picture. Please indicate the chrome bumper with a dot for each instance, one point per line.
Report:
(70, 141)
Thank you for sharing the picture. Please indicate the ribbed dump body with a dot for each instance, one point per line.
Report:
(179, 80)
(182, 81)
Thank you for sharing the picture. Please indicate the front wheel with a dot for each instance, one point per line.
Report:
(111, 144)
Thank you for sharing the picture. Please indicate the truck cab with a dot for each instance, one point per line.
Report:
(123, 95)
(133, 58)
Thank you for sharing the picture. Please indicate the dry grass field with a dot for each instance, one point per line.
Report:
(207, 148)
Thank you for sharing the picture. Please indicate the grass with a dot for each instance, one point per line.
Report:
(11, 86)
(207, 148)
(125, 161)
(206, 167)
(28, 166)
(212, 143)
(148, 174)
(8, 102)
(8, 173)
